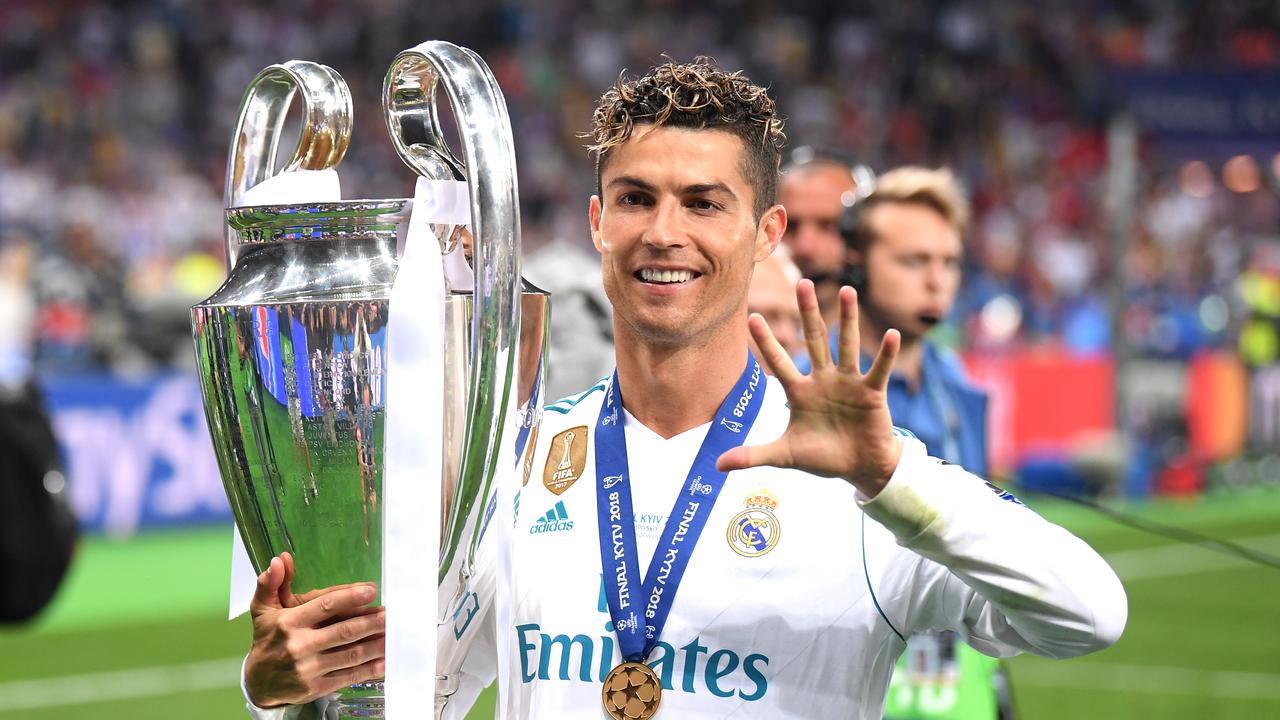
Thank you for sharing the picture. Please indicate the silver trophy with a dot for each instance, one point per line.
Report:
(291, 349)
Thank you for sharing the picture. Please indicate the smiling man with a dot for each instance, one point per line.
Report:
(695, 539)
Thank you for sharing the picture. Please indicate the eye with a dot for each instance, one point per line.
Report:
(703, 205)
(633, 199)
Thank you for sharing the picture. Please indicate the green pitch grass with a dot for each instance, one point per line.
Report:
(139, 630)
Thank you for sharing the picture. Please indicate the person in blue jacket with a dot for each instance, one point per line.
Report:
(904, 244)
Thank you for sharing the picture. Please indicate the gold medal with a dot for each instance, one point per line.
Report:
(632, 691)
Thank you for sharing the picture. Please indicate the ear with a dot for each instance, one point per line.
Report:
(594, 211)
(769, 231)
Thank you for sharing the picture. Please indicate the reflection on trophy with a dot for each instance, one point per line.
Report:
(292, 349)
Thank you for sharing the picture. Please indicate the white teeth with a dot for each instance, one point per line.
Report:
(665, 276)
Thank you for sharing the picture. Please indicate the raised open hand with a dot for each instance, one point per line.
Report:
(840, 424)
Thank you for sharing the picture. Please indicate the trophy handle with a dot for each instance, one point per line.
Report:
(490, 168)
(326, 127)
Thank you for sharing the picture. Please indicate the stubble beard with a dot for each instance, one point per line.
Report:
(690, 324)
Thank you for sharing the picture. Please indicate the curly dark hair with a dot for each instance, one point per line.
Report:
(696, 95)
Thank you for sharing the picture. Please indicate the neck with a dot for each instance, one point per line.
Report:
(910, 358)
(671, 388)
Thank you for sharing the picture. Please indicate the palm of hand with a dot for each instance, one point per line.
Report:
(839, 428)
(840, 424)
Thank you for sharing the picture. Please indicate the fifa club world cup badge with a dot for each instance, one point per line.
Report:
(566, 458)
(755, 530)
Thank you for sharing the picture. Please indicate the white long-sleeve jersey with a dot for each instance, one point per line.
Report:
(800, 591)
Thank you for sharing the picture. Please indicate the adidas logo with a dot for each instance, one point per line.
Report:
(554, 520)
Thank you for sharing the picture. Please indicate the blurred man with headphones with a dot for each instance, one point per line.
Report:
(901, 247)
(905, 245)
(817, 187)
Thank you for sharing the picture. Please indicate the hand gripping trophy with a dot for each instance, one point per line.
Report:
(296, 349)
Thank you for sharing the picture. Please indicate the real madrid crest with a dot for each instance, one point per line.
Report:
(566, 458)
(755, 531)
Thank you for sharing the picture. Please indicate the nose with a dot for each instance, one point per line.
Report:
(814, 249)
(664, 226)
(938, 276)
(800, 236)
(933, 278)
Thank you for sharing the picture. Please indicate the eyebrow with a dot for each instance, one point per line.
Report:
(632, 181)
(700, 188)
(695, 189)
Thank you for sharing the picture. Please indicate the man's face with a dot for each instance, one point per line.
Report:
(912, 265)
(677, 234)
(814, 198)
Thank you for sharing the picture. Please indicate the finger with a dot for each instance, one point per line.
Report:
(323, 608)
(353, 655)
(878, 375)
(287, 598)
(350, 631)
(849, 346)
(815, 330)
(313, 594)
(749, 456)
(357, 612)
(775, 356)
(267, 594)
(338, 679)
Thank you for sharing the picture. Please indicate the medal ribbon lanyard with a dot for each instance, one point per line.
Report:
(618, 553)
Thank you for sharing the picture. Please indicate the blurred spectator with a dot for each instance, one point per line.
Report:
(581, 337)
(816, 188)
(773, 295)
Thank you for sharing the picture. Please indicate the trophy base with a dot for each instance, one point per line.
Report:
(364, 700)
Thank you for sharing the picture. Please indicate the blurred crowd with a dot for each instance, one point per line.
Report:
(115, 119)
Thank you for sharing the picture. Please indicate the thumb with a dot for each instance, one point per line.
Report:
(285, 591)
(749, 456)
(267, 594)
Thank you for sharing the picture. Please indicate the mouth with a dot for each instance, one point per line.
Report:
(654, 276)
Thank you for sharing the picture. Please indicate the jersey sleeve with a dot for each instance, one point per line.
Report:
(478, 671)
(480, 664)
(992, 569)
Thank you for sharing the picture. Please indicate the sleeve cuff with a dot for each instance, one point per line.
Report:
(904, 505)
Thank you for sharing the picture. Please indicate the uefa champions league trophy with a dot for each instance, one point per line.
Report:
(292, 349)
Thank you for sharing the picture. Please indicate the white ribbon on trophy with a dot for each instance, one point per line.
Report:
(414, 450)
